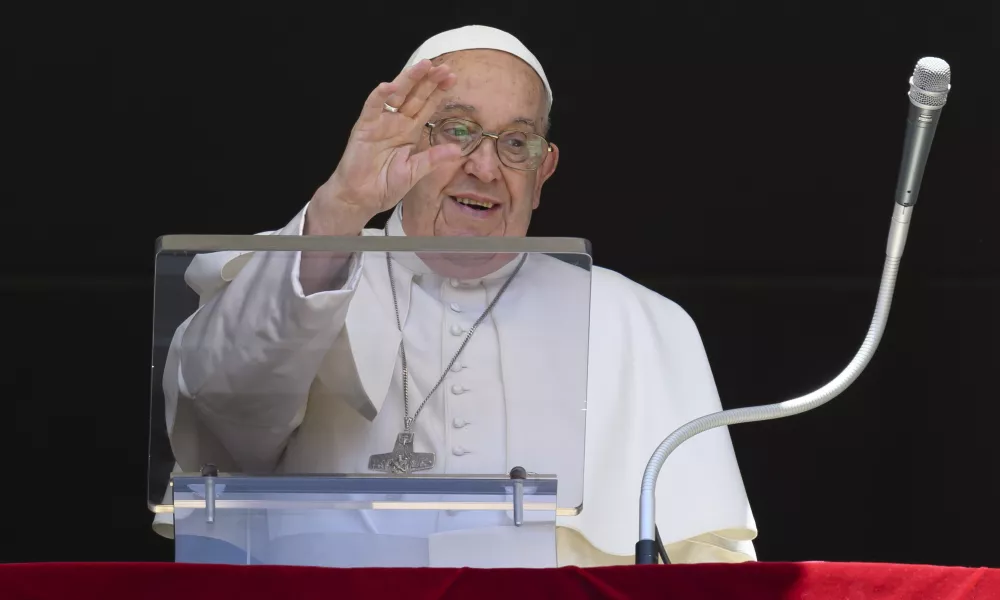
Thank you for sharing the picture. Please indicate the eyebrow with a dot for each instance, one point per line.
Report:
(452, 106)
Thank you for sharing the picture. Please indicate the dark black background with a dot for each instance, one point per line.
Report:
(753, 185)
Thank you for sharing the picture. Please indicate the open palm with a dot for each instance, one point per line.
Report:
(381, 164)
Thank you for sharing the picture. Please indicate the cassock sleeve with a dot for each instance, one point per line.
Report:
(649, 375)
(239, 370)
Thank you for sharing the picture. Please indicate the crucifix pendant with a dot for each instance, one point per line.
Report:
(402, 460)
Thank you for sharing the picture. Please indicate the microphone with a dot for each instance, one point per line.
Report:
(929, 88)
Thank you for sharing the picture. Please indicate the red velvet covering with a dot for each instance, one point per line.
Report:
(771, 581)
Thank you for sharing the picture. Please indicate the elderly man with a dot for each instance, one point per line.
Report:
(310, 374)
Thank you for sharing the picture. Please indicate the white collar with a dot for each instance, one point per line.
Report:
(412, 262)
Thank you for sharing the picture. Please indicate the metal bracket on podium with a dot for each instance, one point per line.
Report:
(517, 475)
(209, 472)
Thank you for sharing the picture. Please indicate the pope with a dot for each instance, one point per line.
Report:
(402, 363)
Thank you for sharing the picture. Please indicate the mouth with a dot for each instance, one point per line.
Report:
(475, 207)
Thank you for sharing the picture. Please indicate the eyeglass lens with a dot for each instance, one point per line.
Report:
(517, 149)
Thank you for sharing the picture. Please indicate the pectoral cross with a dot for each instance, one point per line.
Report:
(402, 460)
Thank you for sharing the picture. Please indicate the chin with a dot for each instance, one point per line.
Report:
(469, 232)
(451, 228)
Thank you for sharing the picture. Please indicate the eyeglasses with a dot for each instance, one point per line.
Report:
(519, 150)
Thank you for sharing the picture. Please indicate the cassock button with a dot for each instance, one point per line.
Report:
(455, 307)
(459, 451)
(454, 283)
(457, 389)
(459, 423)
(457, 330)
(457, 367)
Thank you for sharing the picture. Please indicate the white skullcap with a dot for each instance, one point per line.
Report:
(478, 37)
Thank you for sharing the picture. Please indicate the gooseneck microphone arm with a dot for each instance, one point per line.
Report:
(928, 91)
(645, 552)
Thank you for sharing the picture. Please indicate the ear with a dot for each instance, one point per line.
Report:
(545, 171)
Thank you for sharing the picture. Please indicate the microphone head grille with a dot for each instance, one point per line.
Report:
(930, 82)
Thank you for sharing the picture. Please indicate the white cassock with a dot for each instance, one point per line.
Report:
(271, 391)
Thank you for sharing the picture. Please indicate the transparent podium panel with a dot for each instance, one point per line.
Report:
(289, 358)
(366, 521)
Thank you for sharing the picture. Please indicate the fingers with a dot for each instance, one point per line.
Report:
(406, 80)
(374, 104)
(438, 77)
(416, 92)
(422, 163)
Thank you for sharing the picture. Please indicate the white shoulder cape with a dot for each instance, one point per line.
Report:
(648, 375)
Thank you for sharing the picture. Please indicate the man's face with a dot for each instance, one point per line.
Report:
(499, 92)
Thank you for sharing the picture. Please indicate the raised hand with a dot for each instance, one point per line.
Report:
(380, 163)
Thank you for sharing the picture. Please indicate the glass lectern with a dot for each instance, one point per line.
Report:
(281, 430)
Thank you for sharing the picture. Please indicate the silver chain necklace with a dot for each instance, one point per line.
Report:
(402, 459)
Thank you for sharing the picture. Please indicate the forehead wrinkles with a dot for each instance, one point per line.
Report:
(477, 68)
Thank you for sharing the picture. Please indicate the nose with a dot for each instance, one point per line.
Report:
(483, 163)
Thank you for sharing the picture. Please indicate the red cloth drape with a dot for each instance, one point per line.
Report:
(770, 581)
